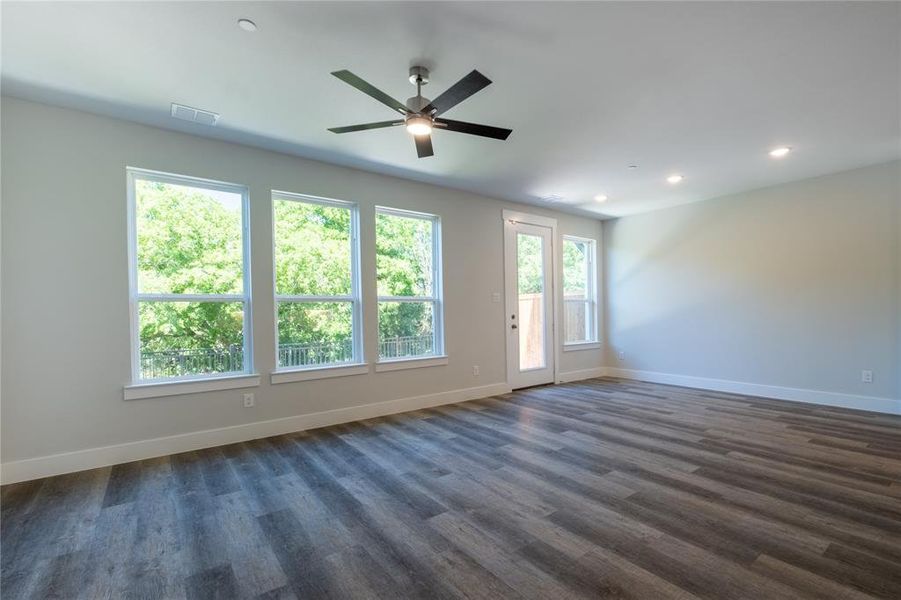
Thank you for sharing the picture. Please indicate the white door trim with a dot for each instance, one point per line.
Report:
(550, 223)
(521, 217)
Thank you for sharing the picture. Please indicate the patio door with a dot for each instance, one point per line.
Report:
(529, 292)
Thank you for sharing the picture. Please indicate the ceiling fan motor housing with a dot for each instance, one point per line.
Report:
(417, 103)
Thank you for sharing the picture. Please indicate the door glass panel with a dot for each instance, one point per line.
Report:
(530, 280)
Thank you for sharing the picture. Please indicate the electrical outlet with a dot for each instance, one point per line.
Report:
(475, 370)
(248, 400)
(866, 376)
(621, 355)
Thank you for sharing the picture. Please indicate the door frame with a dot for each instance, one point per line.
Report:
(516, 216)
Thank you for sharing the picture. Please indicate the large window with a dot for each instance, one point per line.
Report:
(317, 293)
(190, 285)
(579, 291)
(408, 264)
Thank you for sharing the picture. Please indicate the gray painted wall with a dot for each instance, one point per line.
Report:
(65, 338)
(796, 285)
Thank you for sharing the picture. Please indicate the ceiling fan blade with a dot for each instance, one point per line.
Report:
(370, 90)
(457, 93)
(365, 126)
(498, 133)
(423, 145)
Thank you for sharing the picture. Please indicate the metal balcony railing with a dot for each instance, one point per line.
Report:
(399, 347)
(194, 361)
(200, 361)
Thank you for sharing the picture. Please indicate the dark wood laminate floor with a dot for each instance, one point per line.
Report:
(601, 488)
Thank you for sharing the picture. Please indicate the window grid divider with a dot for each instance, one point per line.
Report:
(409, 299)
(153, 297)
(303, 298)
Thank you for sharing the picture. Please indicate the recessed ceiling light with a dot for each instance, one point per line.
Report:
(247, 25)
(601, 197)
(780, 152)
(675, 178)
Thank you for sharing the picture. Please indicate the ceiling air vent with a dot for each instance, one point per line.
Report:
(194, 115)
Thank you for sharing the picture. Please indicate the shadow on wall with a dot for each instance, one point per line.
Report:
(739, 286)
(675, 235)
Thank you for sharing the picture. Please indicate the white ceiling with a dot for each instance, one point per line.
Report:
(703, 89)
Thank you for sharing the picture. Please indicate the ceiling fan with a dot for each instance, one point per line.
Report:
(421, 114)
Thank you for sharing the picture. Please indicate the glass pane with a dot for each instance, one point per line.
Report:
(312, 249)
(406, 329)
(575, 269)
(403, 255)
(188, 238)
(191, 338)
(576, 289)
(578, 319)
(314, 333)
(530, 279)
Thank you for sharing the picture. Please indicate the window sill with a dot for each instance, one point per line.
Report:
(581, 346)
(308, 374)
(136, 391)
(410, 363)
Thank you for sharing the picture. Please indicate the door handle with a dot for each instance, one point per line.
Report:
(513, 326)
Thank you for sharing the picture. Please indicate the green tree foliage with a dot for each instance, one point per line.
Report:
(403, 255)
(575, 265)
(189, 242)
(575, 268)
(404, 267)
(312, 249)
(313, 257)
(530, 270)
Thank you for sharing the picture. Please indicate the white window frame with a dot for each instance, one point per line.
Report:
(357, 365)
(438, 356)
(143, 388)
(591, 289)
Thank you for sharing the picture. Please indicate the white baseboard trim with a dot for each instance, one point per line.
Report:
(92, 458)
(581, 374)
(871, 403)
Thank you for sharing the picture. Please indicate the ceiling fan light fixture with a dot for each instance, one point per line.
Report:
(419, 113)
(419, 125)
